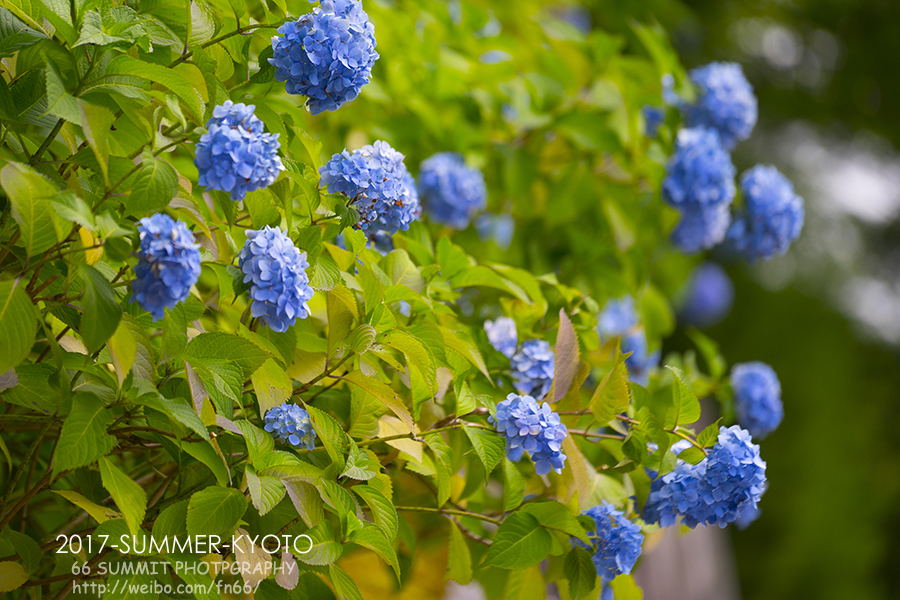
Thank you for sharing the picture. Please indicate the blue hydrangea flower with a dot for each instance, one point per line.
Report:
(236, 155)
(451, 191)
(747, 517)
(708, 296)
(533, 428)
(326, 55)
(290, 424)
(771, 217)
(617, 318)
(497, 228)
(700, 172)
(757, 398)
(654, 117)
(277, 269)
(725, 102)
(502, 335)
(730, 480)
(616, 541)
(378, 185)
(701, 228)
(640, 363)
(533, 367)
(169, 264)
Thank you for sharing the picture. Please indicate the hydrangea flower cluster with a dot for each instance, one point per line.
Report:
(654, 117)
(730, 480)
(725, 102)
(616, 539)
(699, 183)
(290, 424)
(277, 269)
(169, 264)
(451, 191)
(497, 228)
(708, 296)
(502, 335)
(326, 55)
(640, 363)
(618, 319)
(378, 184)
(757, 397)
(772, 215)
(533, 428)
(236, 155)
(533, 366)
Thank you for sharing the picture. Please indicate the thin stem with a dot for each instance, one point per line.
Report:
(449, 511)
(590, 434)
(47, 141)
(222, 38)
(305, 387)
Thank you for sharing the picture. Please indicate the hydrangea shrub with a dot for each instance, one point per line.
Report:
(225, 311)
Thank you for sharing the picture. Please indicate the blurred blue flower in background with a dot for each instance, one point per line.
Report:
(725, 102)
(707, 297)
(451, 192)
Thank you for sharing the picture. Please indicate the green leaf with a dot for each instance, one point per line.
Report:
(157, 74)
(215, 511)
(95, 122)
(489, 446)
(230, 347)
(101, 514)
(60, 102)
(385, 394)
(459, 563)
(30, 195)
(272, 386)
(520, 542)
(692, 455)
(514, 488)
(709, 435)
(206, 454)
(18, 324)
(372, 538)
(330, 433)
(259, 443)
(526, 584)
(625, 588)
(344, 585)
(568, 360)
(178, 409)
(556, 516)
(383, 512)
(101, 309)
(83, 438)
(613, 395)
(123, 350)
(306, 499)
(265, 492)
(324, 549)
(12, 576)
(359, 465)
(685, 406)
(25, 546)
(172, 521)
(581, 573)
(153, 188)
(128, 495)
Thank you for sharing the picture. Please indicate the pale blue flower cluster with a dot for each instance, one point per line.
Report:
(616, 541)
(378, 185)
(277, 269)
(451, 192)
(502, 335)
(533, 366)
(618, 319)
(757, 398)
(290, 424)
(236, 155)
(699, 183)
(496, 228)
(771, 216)
(708, 296)
(168, 265)
(654, 117)
(533, 428)
(326, 55)
(716, 491)
(725, 102)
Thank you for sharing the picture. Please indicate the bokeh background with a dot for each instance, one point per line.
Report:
(827, 315)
